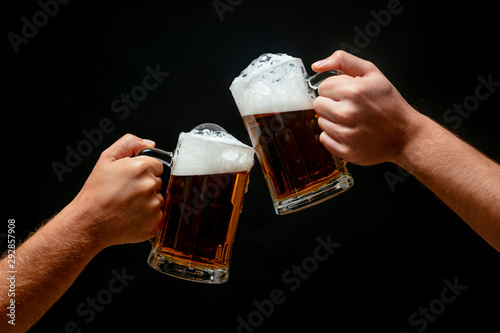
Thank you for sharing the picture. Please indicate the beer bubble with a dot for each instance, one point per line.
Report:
(261, 88)
(210, 149)
(208, 128)
(272, 83)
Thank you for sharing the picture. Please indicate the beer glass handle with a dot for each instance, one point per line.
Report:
(160, 155)
(315, 80)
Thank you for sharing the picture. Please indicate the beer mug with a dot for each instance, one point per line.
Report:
(208, 180)
(275, 98)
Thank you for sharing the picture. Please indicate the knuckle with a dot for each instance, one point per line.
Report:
(128, 136)
(149, 184)
(386, 88)
(370, 65)
(326, 86)
(138, 167)
(156, 202)
(352, 91)
(339, 55)
(352, 116)
(142, 165)
(158, 165)
(319, 104)
(160, 203)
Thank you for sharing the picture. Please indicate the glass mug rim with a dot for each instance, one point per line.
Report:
(174, 153)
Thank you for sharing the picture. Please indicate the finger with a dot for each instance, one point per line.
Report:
(349, 64)
(127, 146)
(157, 204)
(344, 112)
(332, 145)
(161, 200)
(327, 108)
(335, 87)
(335, 131)
(155, 166)
(158, 184)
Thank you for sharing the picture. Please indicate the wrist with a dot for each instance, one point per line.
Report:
(418, 138)
(81, 225)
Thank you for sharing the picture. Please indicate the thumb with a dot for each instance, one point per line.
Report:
(127, 146)
(349, 64)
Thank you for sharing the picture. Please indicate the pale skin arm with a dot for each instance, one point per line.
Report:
(366, 121)
(119, 203)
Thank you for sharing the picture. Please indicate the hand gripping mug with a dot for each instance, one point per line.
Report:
(208, 180)
(275, 98)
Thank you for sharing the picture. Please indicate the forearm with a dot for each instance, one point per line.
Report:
(119, 203)
(462, 177)
(46, 265)
(366, 121)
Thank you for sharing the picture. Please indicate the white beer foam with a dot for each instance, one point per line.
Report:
(272, 83)
(207, 153)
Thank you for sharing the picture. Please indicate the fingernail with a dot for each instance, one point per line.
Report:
(319, 63)
(149, 142)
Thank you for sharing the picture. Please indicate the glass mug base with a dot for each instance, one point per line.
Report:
(170, 267)
(302, 201)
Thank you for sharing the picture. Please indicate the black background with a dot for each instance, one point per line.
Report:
(397, 245)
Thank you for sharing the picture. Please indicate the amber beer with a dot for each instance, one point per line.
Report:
(295, 160)
(202, 213)
(208, 181)
(275, 100)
